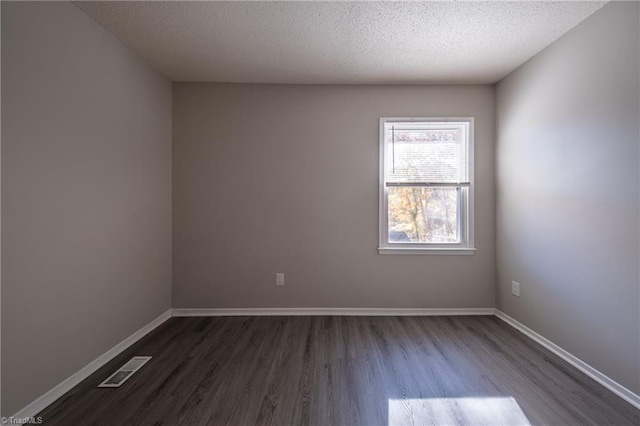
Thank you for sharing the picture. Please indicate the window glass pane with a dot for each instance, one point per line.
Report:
(423, 214)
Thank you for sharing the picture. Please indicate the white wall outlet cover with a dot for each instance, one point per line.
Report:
(515, 288)
(279, 278)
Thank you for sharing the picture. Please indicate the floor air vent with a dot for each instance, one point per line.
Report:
(126, 371)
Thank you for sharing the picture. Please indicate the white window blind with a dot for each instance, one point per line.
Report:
(427, 153)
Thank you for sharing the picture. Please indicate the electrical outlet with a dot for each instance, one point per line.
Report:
(280, 278)
(515, 288)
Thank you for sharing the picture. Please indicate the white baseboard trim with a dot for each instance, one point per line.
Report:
(48, 398)
(596, 375)
(241, 312)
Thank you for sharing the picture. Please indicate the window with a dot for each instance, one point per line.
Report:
(426, 186)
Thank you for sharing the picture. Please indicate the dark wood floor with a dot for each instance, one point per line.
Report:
(342, 371)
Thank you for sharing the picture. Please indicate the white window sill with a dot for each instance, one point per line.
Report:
(466, 251)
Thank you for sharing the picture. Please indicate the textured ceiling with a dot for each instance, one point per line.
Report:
(338, 42)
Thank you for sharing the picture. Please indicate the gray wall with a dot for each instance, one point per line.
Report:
(567, 203)
(86, 196)
(282, 178)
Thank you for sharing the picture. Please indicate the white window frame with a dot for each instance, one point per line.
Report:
(465, 208)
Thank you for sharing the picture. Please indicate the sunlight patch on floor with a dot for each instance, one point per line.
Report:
(457, 411)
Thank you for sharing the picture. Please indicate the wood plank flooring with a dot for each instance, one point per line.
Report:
(342, 371)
